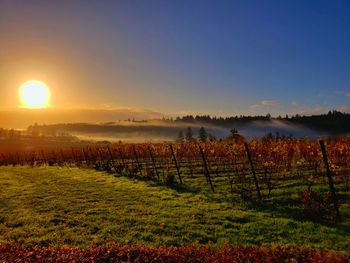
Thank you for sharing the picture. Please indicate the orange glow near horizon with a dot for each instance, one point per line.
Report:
(34, 94)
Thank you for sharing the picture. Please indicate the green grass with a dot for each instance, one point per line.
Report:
(81, 207)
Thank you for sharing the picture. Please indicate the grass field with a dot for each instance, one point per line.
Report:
(53, 206)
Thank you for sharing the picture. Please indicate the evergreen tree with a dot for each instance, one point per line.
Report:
(202, 135)
(189, 135)
(180, 137)
(234, 132)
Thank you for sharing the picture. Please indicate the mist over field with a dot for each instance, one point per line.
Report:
(159, 131)
(261, 128)
(132, 125)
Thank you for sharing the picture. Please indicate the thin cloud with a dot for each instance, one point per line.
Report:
(265, 104)
(347, 94)
(270, 103)
(254, 106)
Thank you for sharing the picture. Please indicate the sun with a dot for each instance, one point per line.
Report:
(34, 94)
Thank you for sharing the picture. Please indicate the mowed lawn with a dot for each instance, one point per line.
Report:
(53, 206)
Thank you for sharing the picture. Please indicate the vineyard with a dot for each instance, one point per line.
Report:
(232, 201)
(269, 170)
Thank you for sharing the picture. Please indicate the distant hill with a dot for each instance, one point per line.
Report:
(22, 118)
(151, 126)
(333, 123)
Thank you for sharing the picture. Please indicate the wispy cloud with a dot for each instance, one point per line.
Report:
(255, 106)
(270, 103)
(295, 103)
(347, 94)
(265, 105)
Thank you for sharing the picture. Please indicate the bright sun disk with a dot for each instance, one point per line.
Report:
(34, 94)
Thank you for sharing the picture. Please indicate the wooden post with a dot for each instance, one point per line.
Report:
(100, 154)
(64, 161)
(86, 157)
(73, 155)
(176, 164)
(206, 170)
(137, 159)
(32, 160)
(93, 156)
(153, 161)
(43, 158)
(54, 159)
(253, 170)
(330, 178)
(122, 158)
(124, 162)
(114, 162)
(111, 156)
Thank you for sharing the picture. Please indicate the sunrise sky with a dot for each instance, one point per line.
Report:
(179, 57)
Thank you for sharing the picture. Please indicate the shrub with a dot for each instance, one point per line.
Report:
(192, 253)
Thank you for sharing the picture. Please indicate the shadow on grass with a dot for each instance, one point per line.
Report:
(180, 188)
(280, 205)
(292, 209)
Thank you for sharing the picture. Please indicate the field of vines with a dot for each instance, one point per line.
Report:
(258, 170)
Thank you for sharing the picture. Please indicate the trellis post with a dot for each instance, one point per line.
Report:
(153, 161)
(253, 170)
(137, 159)
(206, 170)
(330, 178)
(176, 164)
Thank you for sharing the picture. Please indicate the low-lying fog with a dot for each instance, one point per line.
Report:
(95, 125)
(159, 132)
(261, 128)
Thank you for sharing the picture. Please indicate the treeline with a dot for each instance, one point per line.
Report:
(333, 121)
(10, 133)
(46, 131)
(219, 121)
(33, 131)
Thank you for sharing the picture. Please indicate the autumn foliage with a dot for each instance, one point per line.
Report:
(137, 253)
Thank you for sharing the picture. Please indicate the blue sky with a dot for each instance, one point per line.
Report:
(178, 57)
